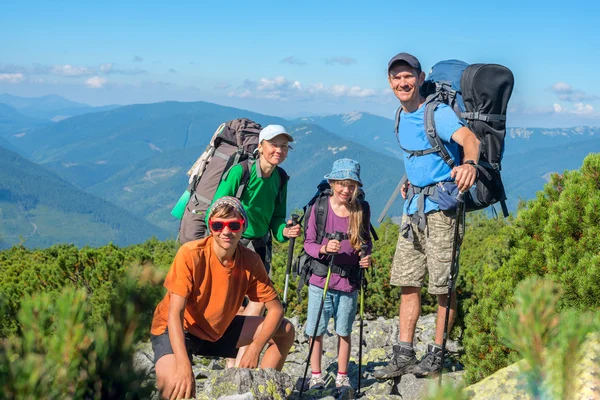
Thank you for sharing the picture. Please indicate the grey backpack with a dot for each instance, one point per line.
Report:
(234, 142)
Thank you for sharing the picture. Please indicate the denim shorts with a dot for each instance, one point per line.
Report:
(339, 305)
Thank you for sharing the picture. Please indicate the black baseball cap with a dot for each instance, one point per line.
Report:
(405, 58)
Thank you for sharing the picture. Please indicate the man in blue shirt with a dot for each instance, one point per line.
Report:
(426, 246)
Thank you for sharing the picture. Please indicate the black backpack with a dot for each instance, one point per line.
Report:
(305, 265)
(479, 95)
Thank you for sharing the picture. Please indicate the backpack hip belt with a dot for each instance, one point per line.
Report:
(418, 218)
(317, 267)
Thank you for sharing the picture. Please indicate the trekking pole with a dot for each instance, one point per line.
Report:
(337, 236)
(295, 218)
(453, 272)
(363, 252)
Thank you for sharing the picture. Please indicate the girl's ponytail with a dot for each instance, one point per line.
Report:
(356, 228)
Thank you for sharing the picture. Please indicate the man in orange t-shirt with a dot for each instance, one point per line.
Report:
(206, 285)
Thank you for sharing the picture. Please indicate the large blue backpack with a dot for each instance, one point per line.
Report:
(479, 95)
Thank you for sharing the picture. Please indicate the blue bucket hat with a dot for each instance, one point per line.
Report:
(345, 168)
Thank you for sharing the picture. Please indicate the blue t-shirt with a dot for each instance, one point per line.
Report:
(428, 169)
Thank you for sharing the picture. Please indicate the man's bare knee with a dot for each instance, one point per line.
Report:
(410, 290)
(286, 333)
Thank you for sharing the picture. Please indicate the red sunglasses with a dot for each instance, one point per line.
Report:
(234, 226)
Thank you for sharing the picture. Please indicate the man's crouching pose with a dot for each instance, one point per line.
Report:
(206, 286)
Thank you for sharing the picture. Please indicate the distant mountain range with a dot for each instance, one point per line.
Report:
(117, 138)
(40, 209)
(136, 156)
(51, 107)
(13, 123)
(150, 187)
(372, 131)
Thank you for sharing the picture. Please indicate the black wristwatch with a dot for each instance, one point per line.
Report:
(470, 162)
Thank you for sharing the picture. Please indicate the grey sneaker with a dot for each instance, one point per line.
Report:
(316, 382)
(402, 362)
(342, 381)
(430, 364)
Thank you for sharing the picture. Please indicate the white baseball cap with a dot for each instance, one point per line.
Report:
(270, 131)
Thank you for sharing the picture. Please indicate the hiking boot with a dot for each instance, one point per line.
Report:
(402, 362)
(316, 382)
(430, 364)
(342, 381)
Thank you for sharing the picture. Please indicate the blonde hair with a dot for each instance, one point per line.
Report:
(356, 229)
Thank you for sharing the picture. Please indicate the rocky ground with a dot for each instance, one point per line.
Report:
(214, 382)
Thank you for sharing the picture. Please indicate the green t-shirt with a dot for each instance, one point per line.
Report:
(261, 199)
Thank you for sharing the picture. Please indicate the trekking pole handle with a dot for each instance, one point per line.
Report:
(295, 218)
(363, 250)
(339, 236)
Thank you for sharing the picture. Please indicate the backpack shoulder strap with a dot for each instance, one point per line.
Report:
(367, 226)
(431, 133)
(283, 178)
(321, 208)
(245, 178)
(397, 122)
(412, 153)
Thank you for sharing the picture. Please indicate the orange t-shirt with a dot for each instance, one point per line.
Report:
(214, 292)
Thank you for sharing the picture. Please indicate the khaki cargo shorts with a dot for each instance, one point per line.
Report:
(430, 250)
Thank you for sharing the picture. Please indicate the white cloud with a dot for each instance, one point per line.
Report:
(12, 78)
(110, 68)
(70, 71)
(106, 68)
(279, 82)
(282, 88)
(566, 92)
(137, 59)
(561, 87)
(352, 91)
(583, 109)
(96, 82)
(577, 109)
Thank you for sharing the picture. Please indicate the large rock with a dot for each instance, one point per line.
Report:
(263, 384)
(505, 384)
(587, 383)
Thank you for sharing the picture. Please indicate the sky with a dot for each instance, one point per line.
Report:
(295, 59)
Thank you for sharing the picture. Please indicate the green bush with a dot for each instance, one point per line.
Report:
(60, 352)
(556, 235)
(97, 271)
